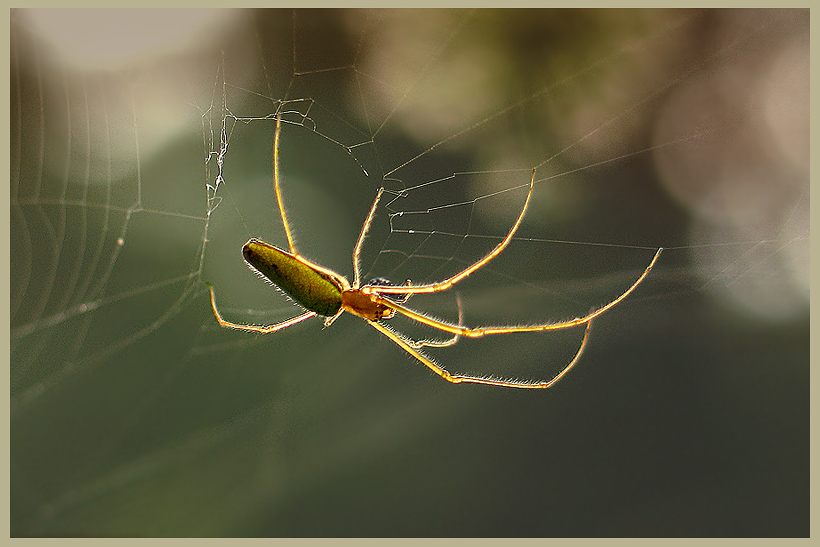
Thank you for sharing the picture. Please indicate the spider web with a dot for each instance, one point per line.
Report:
(133, 184)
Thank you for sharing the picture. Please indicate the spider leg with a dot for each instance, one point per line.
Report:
(459, 379)
(256, 328)
(276, 187)
(365, 228)
(330, 320)
(449, 282)
(418, 344)
(478, 332)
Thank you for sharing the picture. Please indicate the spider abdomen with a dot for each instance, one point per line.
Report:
(311, 286)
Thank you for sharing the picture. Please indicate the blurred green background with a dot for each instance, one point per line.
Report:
(141, 162)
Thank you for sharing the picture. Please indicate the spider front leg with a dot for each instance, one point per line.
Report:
(478, 332)
(255, 328)
(450, 281)
(407, 346)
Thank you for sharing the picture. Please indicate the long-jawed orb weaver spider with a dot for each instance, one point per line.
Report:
(323, 292)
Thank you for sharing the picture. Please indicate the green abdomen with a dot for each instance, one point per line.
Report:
(314, 290)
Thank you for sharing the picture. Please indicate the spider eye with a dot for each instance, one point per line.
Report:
(382, 282)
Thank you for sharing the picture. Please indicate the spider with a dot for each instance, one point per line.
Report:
(323, 292)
